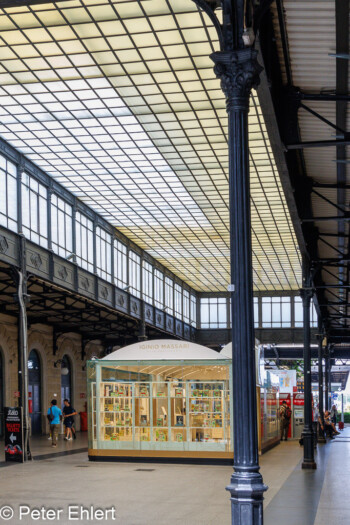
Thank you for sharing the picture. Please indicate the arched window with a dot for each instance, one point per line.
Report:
(34, 391)
(66, 379)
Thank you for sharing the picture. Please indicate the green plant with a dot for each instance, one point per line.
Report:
(346, 417)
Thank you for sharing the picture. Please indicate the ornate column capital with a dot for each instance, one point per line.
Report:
(306, 294)
(239, 72)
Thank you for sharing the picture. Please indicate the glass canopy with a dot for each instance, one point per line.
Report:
(118, 101)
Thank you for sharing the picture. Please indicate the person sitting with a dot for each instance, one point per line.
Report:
(329, 427)
(334, 414)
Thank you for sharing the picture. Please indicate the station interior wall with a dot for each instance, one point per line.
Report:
(40, 338)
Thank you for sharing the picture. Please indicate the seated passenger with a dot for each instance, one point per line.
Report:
(329, 427)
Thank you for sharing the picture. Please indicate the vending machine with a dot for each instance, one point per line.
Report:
(285, 396)
(298, 414)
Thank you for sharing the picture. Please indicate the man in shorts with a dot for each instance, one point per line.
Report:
(68, 419)
(54, 416)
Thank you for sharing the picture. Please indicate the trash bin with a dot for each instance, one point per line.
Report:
(341, 425)
(83, 421)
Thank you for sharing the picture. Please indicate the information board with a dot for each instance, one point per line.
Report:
(13, 434)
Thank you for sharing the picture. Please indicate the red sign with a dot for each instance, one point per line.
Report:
(13, 434)
(298, 399)
(16, 393)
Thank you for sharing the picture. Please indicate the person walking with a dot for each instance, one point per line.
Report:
(68, 420)
(54, 415)
(285, 415)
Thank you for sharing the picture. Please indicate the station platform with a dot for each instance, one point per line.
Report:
(160, 494)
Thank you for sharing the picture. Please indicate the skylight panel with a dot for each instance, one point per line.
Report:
(165, 155)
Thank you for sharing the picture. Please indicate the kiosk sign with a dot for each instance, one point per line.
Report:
(13, 434)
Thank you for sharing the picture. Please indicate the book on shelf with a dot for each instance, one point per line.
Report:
(143, 391)
(179, 421)
(178, 392)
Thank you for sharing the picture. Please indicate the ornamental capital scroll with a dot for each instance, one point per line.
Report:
(239, 73)
(306, 295)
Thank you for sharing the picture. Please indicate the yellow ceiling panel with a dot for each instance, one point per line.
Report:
(138, 131)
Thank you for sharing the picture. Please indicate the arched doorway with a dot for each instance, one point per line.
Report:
(66, 379)
(34, 391)
(2, 389)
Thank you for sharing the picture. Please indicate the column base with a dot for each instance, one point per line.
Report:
(247, 496)
(309, 465)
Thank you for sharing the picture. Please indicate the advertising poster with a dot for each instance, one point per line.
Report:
(287, 379)
(13, 434)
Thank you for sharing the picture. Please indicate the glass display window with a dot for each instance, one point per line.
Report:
(115, 411)
(169, 407)
(184, 415)
(269, 413)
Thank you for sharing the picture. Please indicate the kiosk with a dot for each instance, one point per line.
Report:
(267, 393)
(160, 399)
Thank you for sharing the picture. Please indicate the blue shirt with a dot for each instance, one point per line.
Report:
(56, 413)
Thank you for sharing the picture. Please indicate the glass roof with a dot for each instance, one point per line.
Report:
(118, 101)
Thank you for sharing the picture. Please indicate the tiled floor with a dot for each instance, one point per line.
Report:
(41, 446)
(160, 494)
(334, 505)
(315, 497)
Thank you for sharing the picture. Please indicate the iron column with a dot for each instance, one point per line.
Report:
(326, 381)
(237, 68)
(239, 72)
(22, 298)
(329, 400)
(320, 439)
(306, 294)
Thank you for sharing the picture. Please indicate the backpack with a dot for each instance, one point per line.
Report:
(287, 413)
(50, 416)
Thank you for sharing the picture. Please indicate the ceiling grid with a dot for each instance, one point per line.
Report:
(118, 102)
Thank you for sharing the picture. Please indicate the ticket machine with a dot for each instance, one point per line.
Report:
(298, 414)
(285, 396)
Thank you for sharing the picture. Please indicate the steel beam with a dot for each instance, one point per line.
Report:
(319, 143)
(25, 3)
(323, 97)
(345, 217)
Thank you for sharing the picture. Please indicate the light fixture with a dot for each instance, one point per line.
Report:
(64, 370)
(248, 36)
